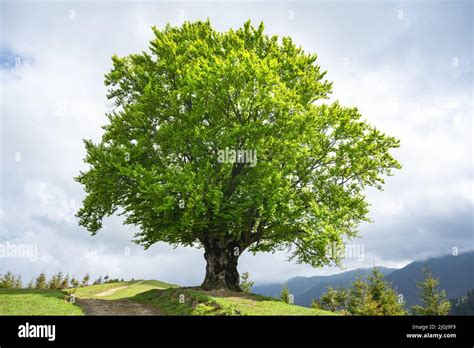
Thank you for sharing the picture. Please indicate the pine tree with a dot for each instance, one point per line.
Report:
(285, 294)
(341, 299)
(360, 300)
(7, 281)
(384, 295)
(85, 280)
(40, 281)
(55, 281)
(328, 299)
(74, 282)
(64, 283)
(245, 283)
(433, 301)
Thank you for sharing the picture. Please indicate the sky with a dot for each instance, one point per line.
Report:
(407, 66)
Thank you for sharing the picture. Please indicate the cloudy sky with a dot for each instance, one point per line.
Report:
(407, 66)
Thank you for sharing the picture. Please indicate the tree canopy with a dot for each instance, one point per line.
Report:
(298, 167)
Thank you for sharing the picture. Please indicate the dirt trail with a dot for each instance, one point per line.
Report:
(93, 306)
(114, 290)
(115, 307)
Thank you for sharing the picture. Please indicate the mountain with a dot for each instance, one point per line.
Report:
(456, 274)
(304, 289)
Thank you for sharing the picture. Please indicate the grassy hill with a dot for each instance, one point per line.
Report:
(36, 302)
(164, 298)
(193, 301)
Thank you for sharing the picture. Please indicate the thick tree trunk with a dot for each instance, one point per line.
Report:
(221, 269)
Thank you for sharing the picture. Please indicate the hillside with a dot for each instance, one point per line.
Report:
(456, 274)
(161, 298)
(305, 289)
(36, 302)
(192, 301)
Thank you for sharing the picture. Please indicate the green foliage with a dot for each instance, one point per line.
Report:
(198, 91)
(41, 282)
(328, 299)
(36, 302)
(433, 301)
(56, 281)
(181, 301)
(285, 294)
(463, 305)
(384, 295)
(85, 280)
(10, 281)
(245, 283)
(374, 297)
(74, 282)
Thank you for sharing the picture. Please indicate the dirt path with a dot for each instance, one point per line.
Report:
(115, 307)
(93, 306)
(114, 290)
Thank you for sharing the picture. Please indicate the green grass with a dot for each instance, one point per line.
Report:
(36, 302)
(92, 290)
(130, 289)
(195, 302)
(138, 288)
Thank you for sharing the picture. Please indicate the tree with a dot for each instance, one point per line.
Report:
(316, 304)
(463, 305)
(341, 299)
(220, 141)
(55, 281)
(328, 299)
(85, 280)
(384, 295)
(65, 282)
(8, 281)
(433, 301)
(246, 284)
(75, 283)
(360, 301)
(40, 281)
(285, 294)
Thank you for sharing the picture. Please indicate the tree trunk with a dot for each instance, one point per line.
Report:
(221, 269)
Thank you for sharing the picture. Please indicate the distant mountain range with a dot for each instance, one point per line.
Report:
(456, 274)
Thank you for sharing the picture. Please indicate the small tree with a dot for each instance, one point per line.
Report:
(64, 283)
(41, 282)
(55, 281)
(85, 280)
(7, 281)
(360, 301)
(285, 294)
(316, 304)
(434, 302)
(341, 299)
(74, 282)
(245, 283)
(463, 305)
(328, 299)
(31, 284)
(384, 295)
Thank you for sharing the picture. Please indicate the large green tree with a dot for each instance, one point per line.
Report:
(166, 160)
